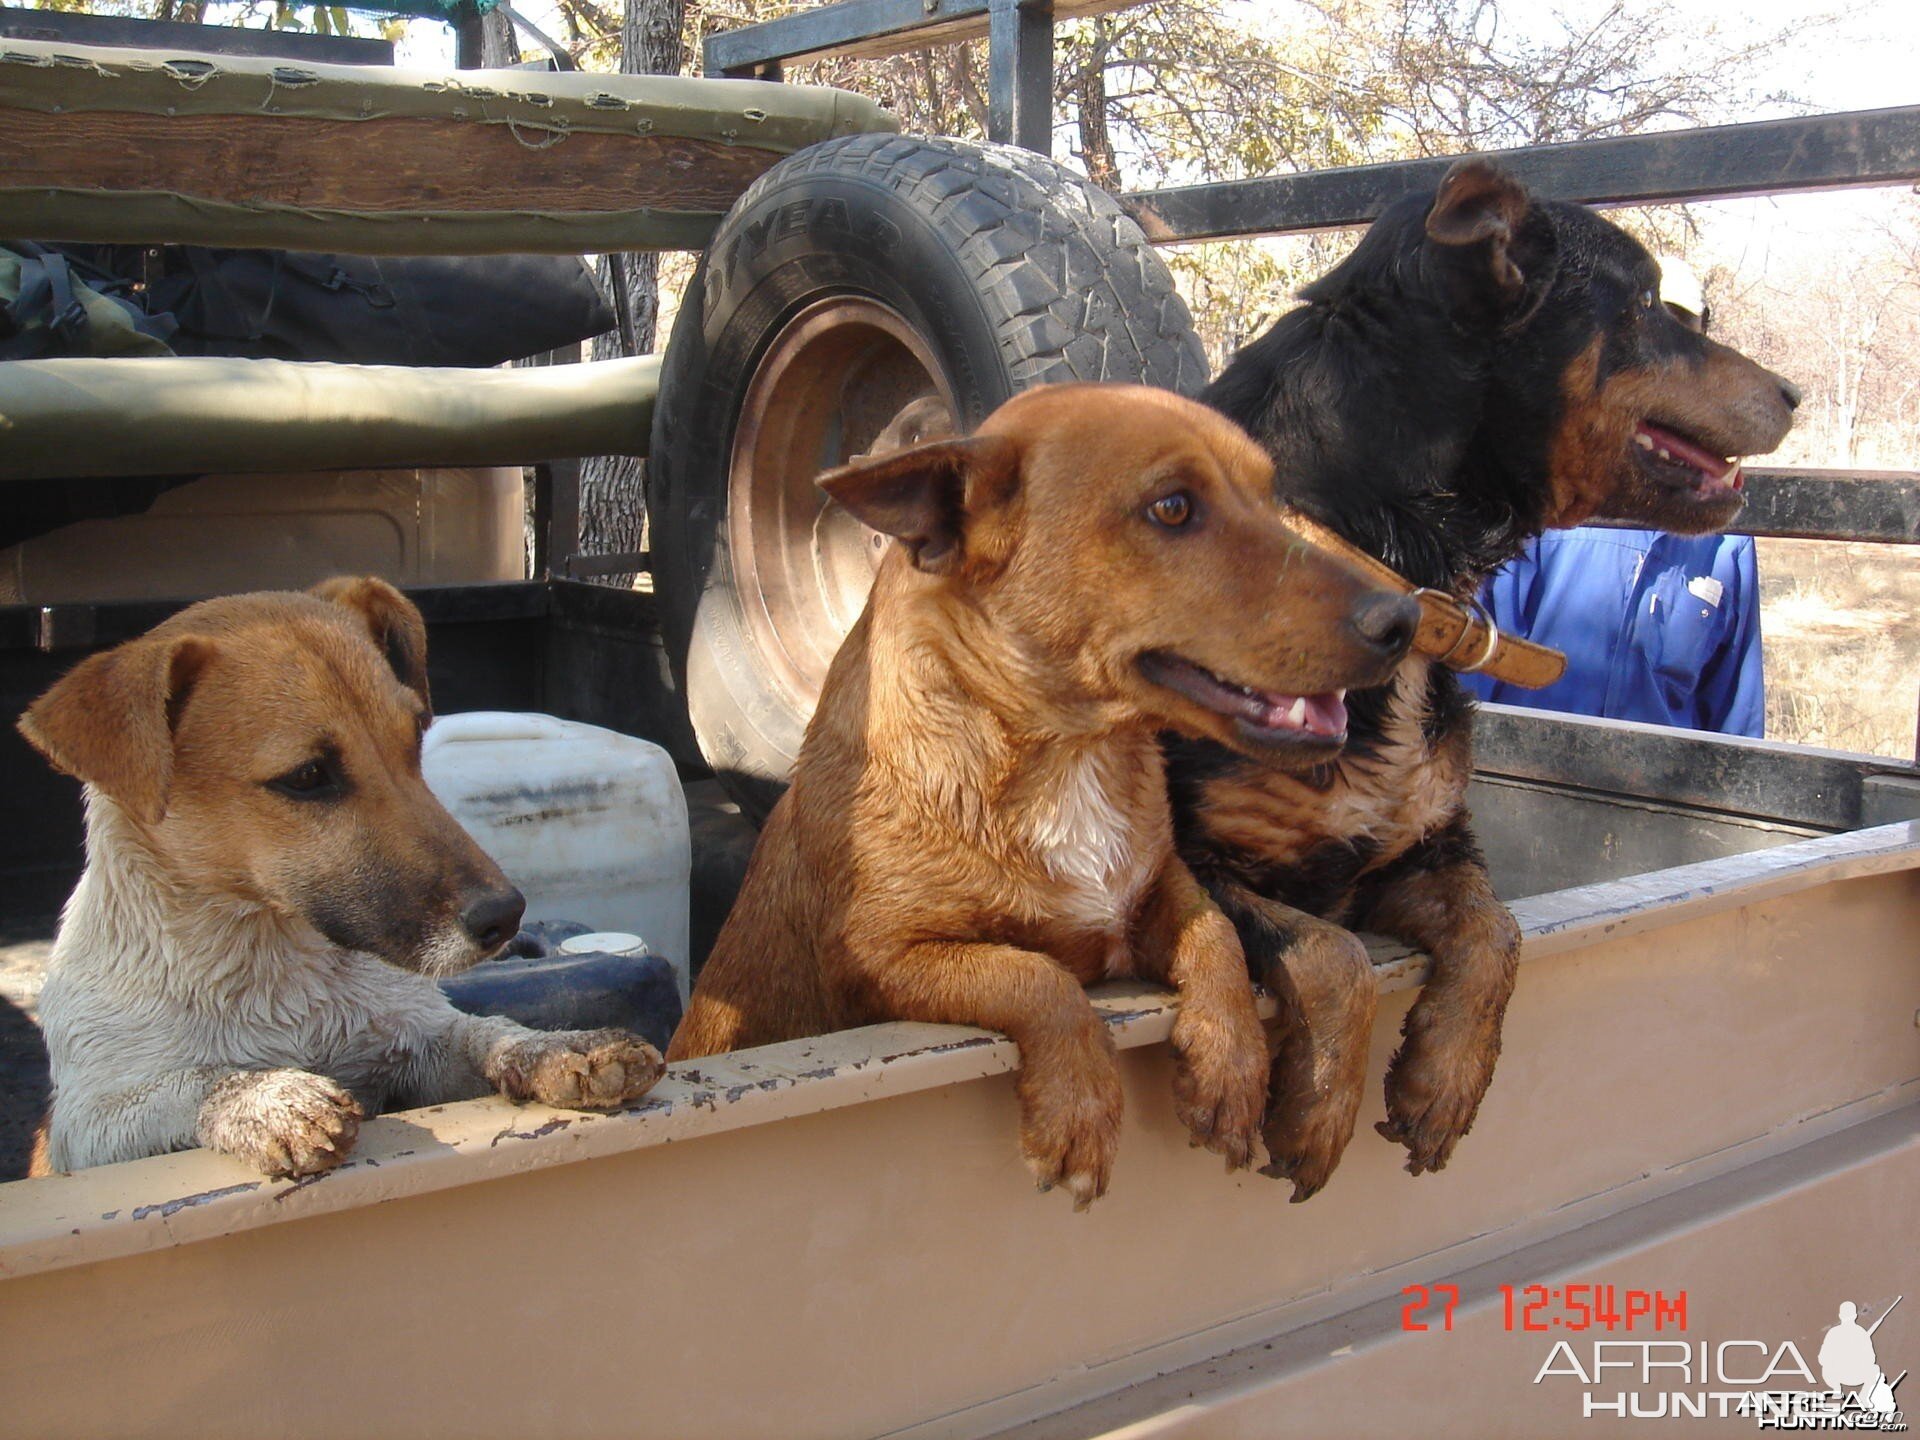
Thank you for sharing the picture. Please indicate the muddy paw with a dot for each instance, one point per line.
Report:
(282, 1122)
(1220, 1083)
(580, 1069)
(1434, 1089)
(1306, 1134)
(1070, 1131)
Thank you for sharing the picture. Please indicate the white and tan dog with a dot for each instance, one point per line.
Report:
(269, 886)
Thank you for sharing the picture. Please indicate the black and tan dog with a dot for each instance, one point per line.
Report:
(1484, 366)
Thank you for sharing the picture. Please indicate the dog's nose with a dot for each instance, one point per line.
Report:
(1789, 392)
(1388, 622)
(493, 918)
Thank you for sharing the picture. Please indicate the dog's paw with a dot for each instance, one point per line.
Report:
(1220, 1081)
(1434, 1088)
(1319, 1082)
(1070, 1127)
(1307, 1133)
(579, 1069)
(282, 1122)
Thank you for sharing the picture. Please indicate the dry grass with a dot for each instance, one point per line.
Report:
(1841, 628)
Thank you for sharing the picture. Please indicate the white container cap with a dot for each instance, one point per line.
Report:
(604, 942)
(591, 825)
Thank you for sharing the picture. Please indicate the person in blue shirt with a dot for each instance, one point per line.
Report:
(1658, 628)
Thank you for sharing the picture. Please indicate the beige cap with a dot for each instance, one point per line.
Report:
(1680, 286)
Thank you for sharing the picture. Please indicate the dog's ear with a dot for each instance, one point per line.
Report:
(1480, 217)
(923, 496)
(110, 720)
(391, 619)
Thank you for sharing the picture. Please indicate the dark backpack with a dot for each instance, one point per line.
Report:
(52, 304)
(356, 309)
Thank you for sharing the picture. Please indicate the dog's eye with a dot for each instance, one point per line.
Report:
(1649, 299)
(314, 780)
(1171, 511)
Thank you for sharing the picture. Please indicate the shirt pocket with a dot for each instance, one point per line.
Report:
(1681, 630)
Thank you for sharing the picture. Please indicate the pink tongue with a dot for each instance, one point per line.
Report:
(1322, 714)
(1714, 467)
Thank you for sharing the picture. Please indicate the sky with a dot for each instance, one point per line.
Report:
(1868, 56)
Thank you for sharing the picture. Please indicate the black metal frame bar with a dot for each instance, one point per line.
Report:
(74, 625)
(81, 29)
(556, 518)
(616, 562)
(1880, 506)
(1716, 162)
(1760, 779)
(865, 29)
(1020, 73)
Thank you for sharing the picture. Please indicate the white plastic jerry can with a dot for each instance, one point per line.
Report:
(590, 824)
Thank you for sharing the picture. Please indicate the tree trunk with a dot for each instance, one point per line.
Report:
(1090, 100)
(486, 42)
(612, 487)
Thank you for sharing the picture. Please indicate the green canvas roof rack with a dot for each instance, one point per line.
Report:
(128, 146)
(70, 419)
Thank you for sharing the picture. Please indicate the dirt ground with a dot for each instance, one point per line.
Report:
(1840, 630)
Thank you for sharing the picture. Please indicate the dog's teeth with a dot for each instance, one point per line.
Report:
(1297, 712)
(1340, 697)
(1664, 453)
(1645, 442)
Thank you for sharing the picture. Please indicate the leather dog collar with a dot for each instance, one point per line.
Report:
(1459, 634)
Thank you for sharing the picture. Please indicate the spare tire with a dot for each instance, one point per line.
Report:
(849, 281)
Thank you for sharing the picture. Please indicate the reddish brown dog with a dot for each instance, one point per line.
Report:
(978, 825)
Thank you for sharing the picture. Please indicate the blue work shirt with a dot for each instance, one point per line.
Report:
(1658, 628)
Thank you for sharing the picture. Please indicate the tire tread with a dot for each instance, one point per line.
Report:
(1054, 258)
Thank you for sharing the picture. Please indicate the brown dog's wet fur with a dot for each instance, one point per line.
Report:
(1480, 369)
(978, 823)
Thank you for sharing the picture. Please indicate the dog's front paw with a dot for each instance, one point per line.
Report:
(1435, 1085)
(579, 1069)
(1220, 1081)
(282, 1122)
(1306, 1132)
(1070, 1122)
(1323, 980)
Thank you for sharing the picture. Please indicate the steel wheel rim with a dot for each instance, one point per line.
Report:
(825, 387)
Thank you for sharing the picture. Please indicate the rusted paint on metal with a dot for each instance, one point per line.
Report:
(974, 1042)
(552, 1127)
(167, 1208)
